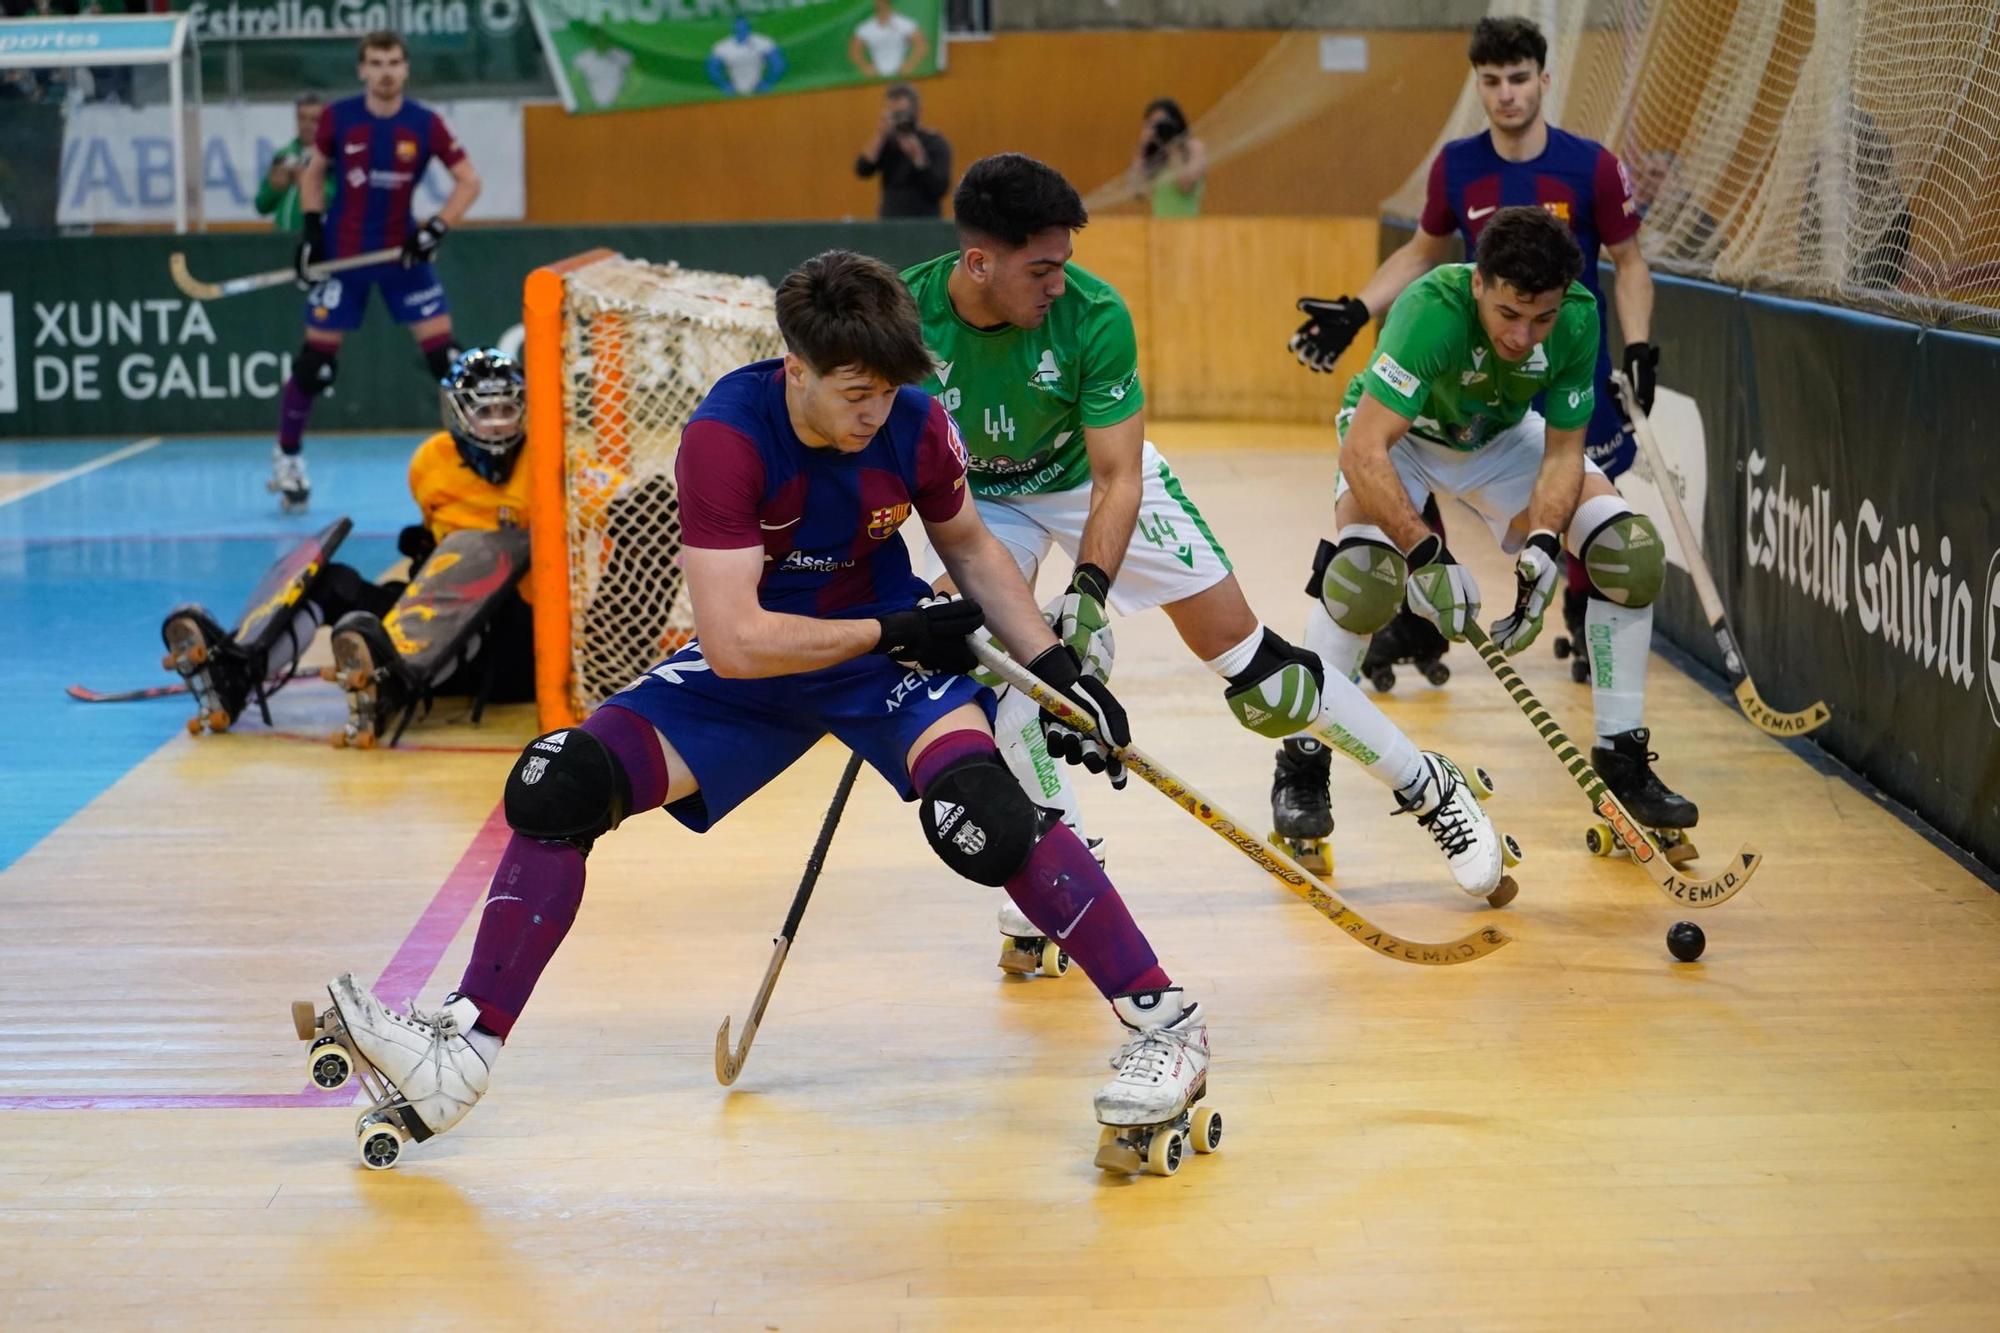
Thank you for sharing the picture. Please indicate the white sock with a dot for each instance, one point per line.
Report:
(1350, 722)
(1239, 658)
(485, 1045)
(1620, 640)
(1341, 650)
(1017, 731)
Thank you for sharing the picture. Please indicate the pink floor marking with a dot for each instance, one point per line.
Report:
(405, 976)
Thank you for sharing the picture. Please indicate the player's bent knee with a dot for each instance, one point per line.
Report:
(1622, 553)
(567, 787)
(979, 821)
(1277, 695)
(314, 368)
(1362, 583)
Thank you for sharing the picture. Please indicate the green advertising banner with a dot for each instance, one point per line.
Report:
(95, 339)
(277, 47)
(620, 55)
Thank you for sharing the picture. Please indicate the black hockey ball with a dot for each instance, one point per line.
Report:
(1685, 941)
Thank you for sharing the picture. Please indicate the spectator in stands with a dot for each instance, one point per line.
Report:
(914, 162)
(1171, 165)
(278, 196)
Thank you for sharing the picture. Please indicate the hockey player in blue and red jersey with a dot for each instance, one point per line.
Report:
(1519, 159)
(794, 477)
(356, 195)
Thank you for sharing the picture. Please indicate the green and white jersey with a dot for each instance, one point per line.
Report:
(1435, 365)
(1022, 397)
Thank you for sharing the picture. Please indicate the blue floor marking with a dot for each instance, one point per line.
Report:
(89, 568)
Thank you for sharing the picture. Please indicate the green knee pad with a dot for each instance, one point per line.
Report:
(1281, 703)
(1362, 587)
(1626, 560)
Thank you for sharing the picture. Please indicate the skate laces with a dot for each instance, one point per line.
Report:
(1449, 823)
(1146, 1055)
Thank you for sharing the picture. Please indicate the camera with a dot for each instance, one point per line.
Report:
(905, 121)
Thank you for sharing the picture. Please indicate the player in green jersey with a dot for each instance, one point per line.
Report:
(1444, 409)
(1038, 362)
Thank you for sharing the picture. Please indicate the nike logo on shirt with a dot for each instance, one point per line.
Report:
(1477, 213)
(357, 148)
(777, 527)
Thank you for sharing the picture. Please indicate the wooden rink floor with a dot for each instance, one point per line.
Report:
(1800, 1131)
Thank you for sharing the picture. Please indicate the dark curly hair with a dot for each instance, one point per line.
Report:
(1529, 250)
(844, 309)
(1507, 41)
(1010, 196)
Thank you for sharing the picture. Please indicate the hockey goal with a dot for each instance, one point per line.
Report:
(618, 354)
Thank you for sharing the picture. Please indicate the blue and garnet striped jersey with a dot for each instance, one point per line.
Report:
(373, 164)
(826, 520)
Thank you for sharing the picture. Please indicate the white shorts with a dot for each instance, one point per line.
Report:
(1173, 555)
(1496, 482)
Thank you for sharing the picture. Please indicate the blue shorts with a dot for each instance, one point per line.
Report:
(337, 304)
(1608, 441)
(737, 735)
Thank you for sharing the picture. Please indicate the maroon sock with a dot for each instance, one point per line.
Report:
(1579, 577)
(539, 885)
(294, 406)
(1062, 888)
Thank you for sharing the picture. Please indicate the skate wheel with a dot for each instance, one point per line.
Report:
(1437, 673)
(1383, 680)
(1503, 893)
(337, 739)
(1053, 962)
(1597, 838)
(218, 721)
(1163, 1154)
(365, 741)
(197, 653)
(1207, 1133)
(170, 664)
(194, 726)
(331, 675)
(1579, 671)
(379, 1142)
(1510, 850)
(328, 1063)
(1562, 646)
(305, 1020)
(1480, 781)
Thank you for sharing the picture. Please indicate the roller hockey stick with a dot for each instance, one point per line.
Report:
(1640, 844)
(1273, 861)
(83, 694)
(1766, 717)
(198, 290)
(729, 1064)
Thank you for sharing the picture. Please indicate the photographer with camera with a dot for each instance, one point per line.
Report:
(1171, 165)
(915, 163)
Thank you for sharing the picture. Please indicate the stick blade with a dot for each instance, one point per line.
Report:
(1808, 719)
(190, 285)
(1713, 891)
(727, 1067)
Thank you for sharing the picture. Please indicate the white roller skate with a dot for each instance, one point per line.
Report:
(1024, 950)
(289, 481)
(1446, 803)
(1148, 1111)
(423, 1072)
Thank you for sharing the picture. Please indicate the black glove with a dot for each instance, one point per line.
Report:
(420, 245)
(933, 635)
(417, 542)
(1330, 326)
(1059, 669)
(1642, 372)
(312, 248)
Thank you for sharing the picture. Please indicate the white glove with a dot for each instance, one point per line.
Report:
(1535, 579)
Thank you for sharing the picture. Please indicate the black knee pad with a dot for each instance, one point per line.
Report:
(314, 369)
(979, 821)
(440, 359)
(567, 787)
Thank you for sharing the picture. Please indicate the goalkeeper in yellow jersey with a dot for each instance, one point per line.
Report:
(459, 625)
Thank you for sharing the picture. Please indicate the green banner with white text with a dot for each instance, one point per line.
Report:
(621, 55)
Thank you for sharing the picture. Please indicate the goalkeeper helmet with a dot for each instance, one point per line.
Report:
(485, 411)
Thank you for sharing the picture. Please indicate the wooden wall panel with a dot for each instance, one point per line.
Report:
(1072, 99)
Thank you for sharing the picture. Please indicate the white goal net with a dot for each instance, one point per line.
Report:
(640, 345)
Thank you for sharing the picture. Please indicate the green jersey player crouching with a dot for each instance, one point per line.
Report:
(1444, 409)
(1037, 361)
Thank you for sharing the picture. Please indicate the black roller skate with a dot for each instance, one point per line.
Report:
(383, 695)
(1574, 645)
(218, 673)
(1408, 638)
(1302, 805)
(1626, 766)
